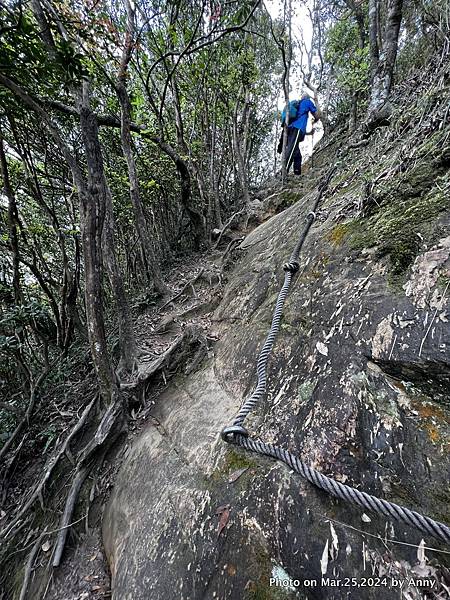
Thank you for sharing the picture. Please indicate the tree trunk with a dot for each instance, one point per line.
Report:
(287, 68)
(354, 111)
(12, 223)
(92, 213)
(383, 70)
(238, 149)
(373, 38)
(91, 219)
(147, 253)
(127, 342)
(103, 234)
(199, 224)
(360, 21)
(195, 216)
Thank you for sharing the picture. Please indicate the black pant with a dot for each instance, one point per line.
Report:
(293, 154)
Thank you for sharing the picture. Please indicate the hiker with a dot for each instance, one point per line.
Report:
(298, 120)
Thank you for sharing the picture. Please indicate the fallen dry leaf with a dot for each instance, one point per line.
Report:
(322, 348)
(236, 474)
(223, 512)
(324, 559)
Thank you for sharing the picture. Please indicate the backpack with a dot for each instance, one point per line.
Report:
(293, 109)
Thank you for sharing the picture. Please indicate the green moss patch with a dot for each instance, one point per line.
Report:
(339, 233)
(234, 461)
(403, 221)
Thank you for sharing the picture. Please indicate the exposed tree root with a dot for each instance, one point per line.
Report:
(176, 353)
(30, 564)
(233, 243)
(66, 518)
(38, 490)
(183, 289)
(228, 224)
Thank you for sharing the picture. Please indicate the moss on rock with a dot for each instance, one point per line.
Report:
(339, 233)
(398, 227)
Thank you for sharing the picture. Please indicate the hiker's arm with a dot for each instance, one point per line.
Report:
(315, 115)
(314, 111)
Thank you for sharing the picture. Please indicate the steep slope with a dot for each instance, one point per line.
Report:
(358, 387)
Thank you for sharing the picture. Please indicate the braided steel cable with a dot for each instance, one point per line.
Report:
(237, 434)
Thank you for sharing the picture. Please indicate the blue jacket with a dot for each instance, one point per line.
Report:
(306, 106)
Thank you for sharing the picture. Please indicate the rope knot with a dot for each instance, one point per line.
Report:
(292, 266)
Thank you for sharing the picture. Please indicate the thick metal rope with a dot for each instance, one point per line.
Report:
(236, 433)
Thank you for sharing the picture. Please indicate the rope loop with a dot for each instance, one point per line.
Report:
(233, 430)
(311, 216)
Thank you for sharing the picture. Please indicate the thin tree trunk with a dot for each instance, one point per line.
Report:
(12, 223)
(383, 74)
(241, 170)
(195, 216)
(354, 111)
(91, 220)
(92, 212)
(148, 255)
(127, 342)
(104, 230)
(374, 51)
(287, 58)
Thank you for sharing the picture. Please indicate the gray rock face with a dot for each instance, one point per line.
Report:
(358, 387)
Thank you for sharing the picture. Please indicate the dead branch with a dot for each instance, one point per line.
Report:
(26, 419)
(228, 224)
(10, 463)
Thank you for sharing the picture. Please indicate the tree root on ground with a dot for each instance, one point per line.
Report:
(176, 353)
(109, 428)
(190, 344)
(38, 490)
(183, 289)
(30, 564)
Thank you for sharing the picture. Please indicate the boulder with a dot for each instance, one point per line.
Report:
(358, 388)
